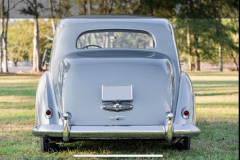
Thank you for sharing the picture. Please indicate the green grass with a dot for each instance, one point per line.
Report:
(217, 117)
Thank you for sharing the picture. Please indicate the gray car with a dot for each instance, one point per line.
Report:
(115, 77)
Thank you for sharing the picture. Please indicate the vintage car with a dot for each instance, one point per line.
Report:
(115, 77)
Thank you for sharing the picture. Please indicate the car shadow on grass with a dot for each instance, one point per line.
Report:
(118, 146)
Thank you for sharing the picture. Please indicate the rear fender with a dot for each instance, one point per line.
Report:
(186, 99)
(45, 99)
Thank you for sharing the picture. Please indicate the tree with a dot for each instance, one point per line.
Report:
(4, 34)
(45, 42)
(52, 17)
(89, 7)
(20, 41)
(32, 9)
(204, 23)
(1, 15)
(231, 45)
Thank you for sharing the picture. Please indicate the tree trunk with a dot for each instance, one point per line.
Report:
(189, 49)
(197, 56)
(84, 8)
(60, 9)
(36, 52)
(95, 38)
(106, 39)
(130, 9)
(232, 54)
(1, 34)
(52, 18)
(44, 54)
(234, 61)
(104, 6)
(110, 7)
(195, 62)
(4, 42)
(5, 64)
(89, 7)
(220, 56)
(151, 7)
(236, 66)
(198, 63)
(0, 50)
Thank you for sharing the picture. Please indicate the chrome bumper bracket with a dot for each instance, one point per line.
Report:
(66, 126)
(169, 127)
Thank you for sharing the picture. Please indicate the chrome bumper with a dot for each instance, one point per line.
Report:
(116, 132)
(68, 131)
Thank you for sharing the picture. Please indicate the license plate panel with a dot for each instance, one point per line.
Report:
(121, 93)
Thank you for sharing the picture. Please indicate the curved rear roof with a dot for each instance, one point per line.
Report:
(114, 18)
(110, 16)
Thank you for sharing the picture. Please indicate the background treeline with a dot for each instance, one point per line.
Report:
(206, 30)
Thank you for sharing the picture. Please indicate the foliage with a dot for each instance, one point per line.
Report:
(207, 28)
(20, 44)
(20, 40)
(211, 33)
(45, 32)
(211, 23)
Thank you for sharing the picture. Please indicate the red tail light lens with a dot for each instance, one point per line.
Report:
(48, 112)
(186, 113)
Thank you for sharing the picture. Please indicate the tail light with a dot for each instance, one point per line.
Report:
(48, 113)
(185, 113)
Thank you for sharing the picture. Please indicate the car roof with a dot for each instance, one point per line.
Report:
(110, 16)
(113, 18)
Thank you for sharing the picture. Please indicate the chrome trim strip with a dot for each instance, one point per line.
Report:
(116, 132)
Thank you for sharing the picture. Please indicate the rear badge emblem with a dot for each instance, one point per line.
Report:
(117, 118)
(117, 107)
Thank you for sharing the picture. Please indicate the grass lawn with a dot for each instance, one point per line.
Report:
(217, 117)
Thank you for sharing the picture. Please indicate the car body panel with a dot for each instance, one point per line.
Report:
(86, 75)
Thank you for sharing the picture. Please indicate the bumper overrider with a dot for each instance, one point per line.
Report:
(67, 131)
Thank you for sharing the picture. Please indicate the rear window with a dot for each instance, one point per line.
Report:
(115, 39)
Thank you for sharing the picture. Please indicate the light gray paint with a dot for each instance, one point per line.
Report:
(76, 76)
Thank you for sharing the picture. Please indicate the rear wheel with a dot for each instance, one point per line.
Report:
(183, 144)
(48, 147)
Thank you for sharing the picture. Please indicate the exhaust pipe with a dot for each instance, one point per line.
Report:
(182, 141)
(48, 140)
